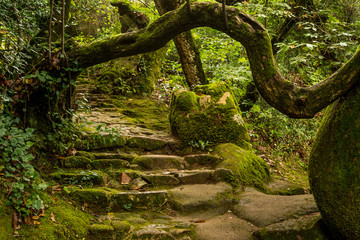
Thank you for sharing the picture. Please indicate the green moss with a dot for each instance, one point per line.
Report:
(77, 162)
(146, 143)
(214, 118)
(101, 231)
(85, 154)
(97, 198)
(334, 168)
(6, 214)
(83, 177)
(249, 169)
(110, 163)
(70, 224)
(98, 141)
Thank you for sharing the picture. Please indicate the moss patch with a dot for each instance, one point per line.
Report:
(249, 169)
(210, 114)
(70, 224)
(334, 168)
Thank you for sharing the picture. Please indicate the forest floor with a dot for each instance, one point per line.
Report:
(144, 184)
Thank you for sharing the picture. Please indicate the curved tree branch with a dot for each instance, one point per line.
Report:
(294, 101)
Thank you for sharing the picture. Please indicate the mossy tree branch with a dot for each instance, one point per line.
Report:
(294, 101)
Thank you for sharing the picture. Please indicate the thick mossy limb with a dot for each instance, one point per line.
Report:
(334, 168)
(210, 114)
(249, 169)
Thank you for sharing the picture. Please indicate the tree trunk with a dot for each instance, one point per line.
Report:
(186, 47)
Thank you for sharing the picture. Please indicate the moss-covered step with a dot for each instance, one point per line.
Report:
(147, 143)
(196, 161)
(160, 162)
(198, 197)
(79, 177)
(102, 200)
(109, 155)
(90, 162)
(140, 225)
(110, 163)
(99, 141)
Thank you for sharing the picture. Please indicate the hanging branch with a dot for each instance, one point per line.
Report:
(50, 23)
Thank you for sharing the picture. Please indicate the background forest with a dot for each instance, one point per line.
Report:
(312, 39)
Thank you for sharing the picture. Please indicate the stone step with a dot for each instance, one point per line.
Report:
(171, 177)
(140, 225)
(79, 177)
(87, 163)
(160, 162)
(101, 200)
(199, 197)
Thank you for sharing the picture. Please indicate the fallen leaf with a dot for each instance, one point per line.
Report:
(36, 217)
(37, 223)
(28, 220)
(52, 217)
(15, 221)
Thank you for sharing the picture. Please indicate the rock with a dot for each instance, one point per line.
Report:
(110, 163)
(210, 114)
(281, 187)
(77, 162)
(334, 166)
(151, 233)
(303, 228)
(121, 228)
(139, 200)
(79, 177)
(247, 168)
(99, 231)
(262, 209)
(192, 198)
(201, 160)
(159, 162)
(136, 220)
(137, 184)
(226, 226)
(124, 178)
(146, 143)
(198, 177)
(161, 180)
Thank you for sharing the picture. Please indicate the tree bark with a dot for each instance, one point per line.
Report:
(186, 47)
(294, 101)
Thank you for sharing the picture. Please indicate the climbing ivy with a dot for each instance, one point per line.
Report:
(17, 175)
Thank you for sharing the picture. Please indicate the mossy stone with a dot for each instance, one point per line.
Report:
(209, 114)
(77, 162)
(248, 169)
(334, 167)
(101, 231)
(85, 154)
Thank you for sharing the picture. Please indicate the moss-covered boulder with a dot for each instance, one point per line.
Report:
(209, 114)
(247, 168)
(334, 168)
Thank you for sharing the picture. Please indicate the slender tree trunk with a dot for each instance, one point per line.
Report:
(186, 47)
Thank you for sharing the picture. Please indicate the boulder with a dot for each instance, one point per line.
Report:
(210, 114)
(334, 167)
(247, 169)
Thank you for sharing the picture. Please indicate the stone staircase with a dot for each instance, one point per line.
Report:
(140, 183)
